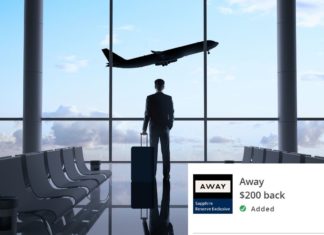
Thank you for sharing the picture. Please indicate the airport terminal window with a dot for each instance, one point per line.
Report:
(163, 27)
(11, 48)
(75, 79)
(242, 69)
(310, 56)
(241, 75)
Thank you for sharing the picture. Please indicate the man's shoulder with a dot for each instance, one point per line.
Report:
(169, 97)
(159, 95)
(150, 96)
(165, 95)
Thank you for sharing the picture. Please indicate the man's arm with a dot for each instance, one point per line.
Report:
(146, 116)
(171, 113)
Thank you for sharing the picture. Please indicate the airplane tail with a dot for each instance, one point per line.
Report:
(116, 58)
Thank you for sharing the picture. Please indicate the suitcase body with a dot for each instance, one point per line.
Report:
(142, 164)
(142, 176)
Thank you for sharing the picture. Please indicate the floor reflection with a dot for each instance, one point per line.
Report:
(108, 210)
(159, 219)
(171, 199)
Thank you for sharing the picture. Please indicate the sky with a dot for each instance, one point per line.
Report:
(242, 73)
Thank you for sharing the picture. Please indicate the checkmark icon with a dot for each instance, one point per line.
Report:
(242, 208)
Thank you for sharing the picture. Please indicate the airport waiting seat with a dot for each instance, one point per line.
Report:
(12, 183)
(79, 160)
(39, 182)
(247, 154)
(291, 158)
(55, 168)
(272, 156)
(5, 157)
(258, 155)
(71, 170)
(315, 159)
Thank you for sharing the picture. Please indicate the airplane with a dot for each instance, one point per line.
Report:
(160, 57)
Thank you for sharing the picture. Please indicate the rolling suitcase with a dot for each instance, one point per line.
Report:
(142, 176)
(142, 162)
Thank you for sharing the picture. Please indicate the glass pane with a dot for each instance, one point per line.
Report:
(11, 48)
(75, 76)
(310, 49)
(242, 69)
(226, 140)
(136, 36)
(91, 135)
(10, 138)
(186, 140)
(311, 137)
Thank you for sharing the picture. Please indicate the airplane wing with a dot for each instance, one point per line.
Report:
(156, 52)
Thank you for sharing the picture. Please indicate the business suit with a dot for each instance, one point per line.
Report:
(159, 114)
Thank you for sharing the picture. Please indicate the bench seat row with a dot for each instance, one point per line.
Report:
(262, 155)
(48, 184)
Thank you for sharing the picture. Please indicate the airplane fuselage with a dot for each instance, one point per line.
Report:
(161, 57)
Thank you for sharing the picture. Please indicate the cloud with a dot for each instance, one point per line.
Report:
(270, 141)
(216, 74)
(251, 6)
(11, 143)
(313, 76)
(106, 40)
(220, 140)
(85, 133)
(72, 64)
(125, 136)
(226, 10)
(18, 137)
(88, 134)
(310, 13)
(64, 111)
(127, 27)
(72, 111)
(5, 138)
(183, 140)
(310, 134)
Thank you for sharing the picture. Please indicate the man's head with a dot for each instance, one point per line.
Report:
(159, 84)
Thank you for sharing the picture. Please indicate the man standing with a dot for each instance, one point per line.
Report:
(159, 113)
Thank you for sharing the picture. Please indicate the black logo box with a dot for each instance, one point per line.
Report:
(212, 177)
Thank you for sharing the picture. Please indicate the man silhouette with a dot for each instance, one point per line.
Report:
(159, 113)
(160, 221)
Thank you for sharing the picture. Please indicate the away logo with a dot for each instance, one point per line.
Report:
(212, 194)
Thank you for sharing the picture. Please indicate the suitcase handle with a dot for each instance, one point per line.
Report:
(144, 134)
(144, 216)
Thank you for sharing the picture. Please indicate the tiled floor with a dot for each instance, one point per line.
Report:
(115, 216)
